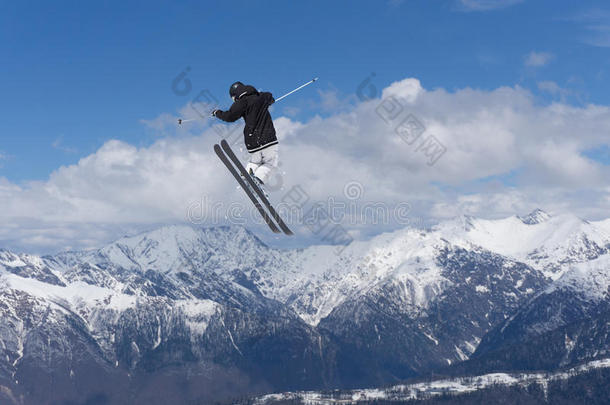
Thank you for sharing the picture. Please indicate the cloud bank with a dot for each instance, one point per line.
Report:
(538, 59)
(504, 153)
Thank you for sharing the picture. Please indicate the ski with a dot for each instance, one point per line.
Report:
(255, 187)
(244, 186)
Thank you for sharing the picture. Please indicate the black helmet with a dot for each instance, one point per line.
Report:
(233, 90)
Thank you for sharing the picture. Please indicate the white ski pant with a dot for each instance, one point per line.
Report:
(263, 162)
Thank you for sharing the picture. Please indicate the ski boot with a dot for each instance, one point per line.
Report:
(259, 183)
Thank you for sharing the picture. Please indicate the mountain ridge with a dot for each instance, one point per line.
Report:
(181, 296)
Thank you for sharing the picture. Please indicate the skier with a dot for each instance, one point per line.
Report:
(259, 133)
(261, 142)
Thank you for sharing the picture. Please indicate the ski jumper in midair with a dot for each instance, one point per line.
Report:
(259, 133)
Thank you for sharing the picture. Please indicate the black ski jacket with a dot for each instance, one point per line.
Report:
(252, 106)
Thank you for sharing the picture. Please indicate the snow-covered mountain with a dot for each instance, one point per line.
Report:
(577, 305)
(218, 305)
(167, 306)
(547, 243)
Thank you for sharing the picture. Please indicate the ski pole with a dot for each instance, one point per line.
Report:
(297, 89)
(180, 120)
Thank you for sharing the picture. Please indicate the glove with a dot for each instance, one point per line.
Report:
(214, 112)
(269, 98)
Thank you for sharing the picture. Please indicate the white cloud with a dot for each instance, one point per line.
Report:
(58, 144)
(550, 87)
(330, 100)
(538, 59)
(488, 135)
(596, 22)
(291, 111)
(484, 5)
(406, 90)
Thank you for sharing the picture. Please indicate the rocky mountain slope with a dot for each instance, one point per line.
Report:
(201, 314)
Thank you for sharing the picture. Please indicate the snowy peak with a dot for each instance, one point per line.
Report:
(168, 249)
(409, 300)
(604, 225)
(158, 250)
(589, 279)
(544, 242)
(537, 216)
(9, 259)
(316, 280)
(28, 266)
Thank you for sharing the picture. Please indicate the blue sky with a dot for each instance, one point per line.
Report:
(75, 74)
(514, 89)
